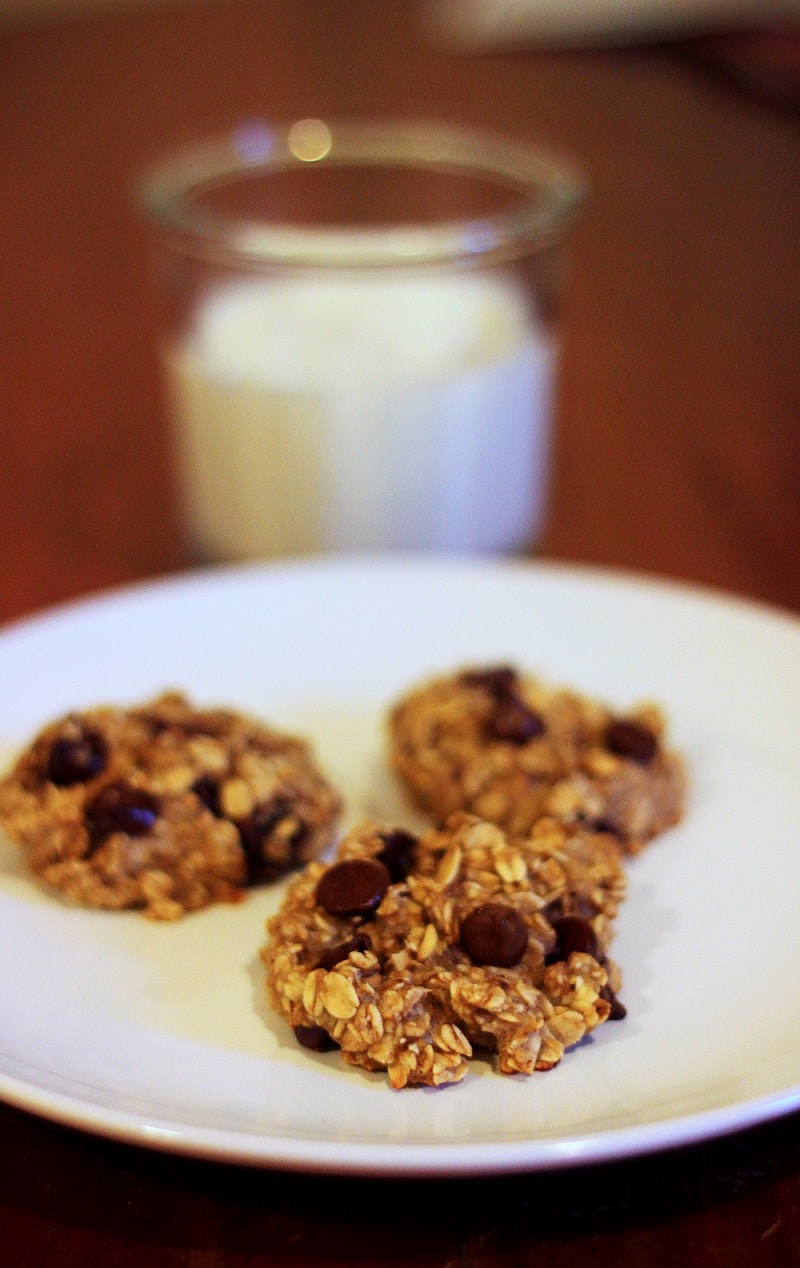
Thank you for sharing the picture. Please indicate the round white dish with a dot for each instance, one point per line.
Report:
(159, 1034)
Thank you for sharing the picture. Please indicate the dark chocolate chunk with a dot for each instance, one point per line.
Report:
(494, 934)
(618, 1009)
(603, 825)
(315, 1038)
(575, 905)
(75, 759)
(397, 853)
(354, 887)
(255, 832)
(513, 721)
(206, 787)
(632, 740)
(334, 955)
(498, 680)
(121, 808)
(574, 934)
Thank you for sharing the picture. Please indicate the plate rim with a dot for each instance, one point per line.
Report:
(203, 576)
(387, 1157)
(391, 1158)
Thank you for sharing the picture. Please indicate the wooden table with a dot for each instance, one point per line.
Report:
(678, 452)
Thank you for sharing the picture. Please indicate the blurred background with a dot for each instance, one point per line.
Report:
(677, 446)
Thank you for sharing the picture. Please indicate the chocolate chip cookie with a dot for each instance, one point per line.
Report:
(408, 955)
(165, 807)
(504, 745)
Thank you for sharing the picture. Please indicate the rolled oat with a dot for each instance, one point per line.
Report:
(165, 807)
(462, 953)
(503, 745)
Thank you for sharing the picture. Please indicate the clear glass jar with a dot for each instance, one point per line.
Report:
(360, 337)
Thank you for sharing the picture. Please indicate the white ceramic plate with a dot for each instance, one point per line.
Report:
(158, 1034)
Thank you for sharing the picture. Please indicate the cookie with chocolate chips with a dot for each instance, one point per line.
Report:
(165, 807)
(462, 953)
(503, 745)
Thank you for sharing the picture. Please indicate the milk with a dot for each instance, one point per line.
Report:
(362, 412)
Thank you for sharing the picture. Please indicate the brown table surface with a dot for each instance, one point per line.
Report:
(678, 452)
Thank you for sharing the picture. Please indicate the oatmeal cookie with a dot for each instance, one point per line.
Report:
(409, 954)
(165, 807)
(503, 745)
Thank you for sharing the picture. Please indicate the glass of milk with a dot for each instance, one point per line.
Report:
(360, 341)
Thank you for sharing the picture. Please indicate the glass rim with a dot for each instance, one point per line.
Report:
(551, 193)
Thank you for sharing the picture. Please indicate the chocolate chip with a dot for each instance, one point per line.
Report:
(206, 787)
(631, 739)
(315, 1038)
(75, 759)
(511, 720)
(334, 955)
(602, 825)
(120, 808)
(618, 1009)
(494, 934)
(397, 853)
(515, 722)
(263, 864)
(573, 934)
(576, 905)
(354, 887)
(255, 832)
(499, 680)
